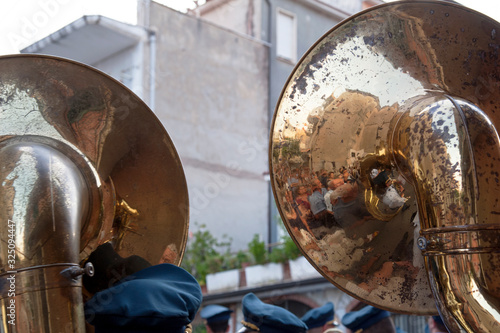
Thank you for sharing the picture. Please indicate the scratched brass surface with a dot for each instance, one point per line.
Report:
(404, 96)
(83, 161)
(137, 190)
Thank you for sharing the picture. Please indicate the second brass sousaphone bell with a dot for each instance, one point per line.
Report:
(396, 110)
(83, 162)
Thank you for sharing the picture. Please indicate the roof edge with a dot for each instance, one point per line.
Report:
(131, 31)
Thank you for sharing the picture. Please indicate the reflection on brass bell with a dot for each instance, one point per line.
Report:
(393, 192)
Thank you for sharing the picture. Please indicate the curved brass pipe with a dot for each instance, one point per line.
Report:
(50, 202)
(442, 144)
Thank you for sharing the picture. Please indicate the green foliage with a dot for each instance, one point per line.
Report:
(287, 250)
(205, 254)
(277, 254)
(258, 250)
(237, 260)
(290, 248)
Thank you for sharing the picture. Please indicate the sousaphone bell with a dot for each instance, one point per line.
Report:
(83, 162)
(395, 111)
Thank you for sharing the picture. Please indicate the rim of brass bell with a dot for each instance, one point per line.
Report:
(83, 162)
(393, 114)
(139, 192)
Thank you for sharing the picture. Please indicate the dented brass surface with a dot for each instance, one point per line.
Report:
(405, 98)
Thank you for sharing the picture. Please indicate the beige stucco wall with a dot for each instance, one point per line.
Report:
(211, 96)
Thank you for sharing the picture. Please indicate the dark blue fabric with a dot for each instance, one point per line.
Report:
(162, 297)
(214, 313)
(318, 317)
(438, 320)
(270, 318)
(364, 318)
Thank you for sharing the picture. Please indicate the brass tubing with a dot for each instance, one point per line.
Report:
(44, 199)
(439, 148)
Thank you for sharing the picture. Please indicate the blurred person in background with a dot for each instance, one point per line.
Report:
(216, 318)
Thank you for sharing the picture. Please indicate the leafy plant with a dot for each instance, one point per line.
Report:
(290, 248)
(277, 254)
(203, 254)
(287, 250)
(258, 250)
(236, 261)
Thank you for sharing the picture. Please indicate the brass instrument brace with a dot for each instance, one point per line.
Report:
(467, 239)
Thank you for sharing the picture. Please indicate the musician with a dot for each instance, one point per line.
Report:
(369, 319)
(320, 319)
(160, 298)
(322, 217)
(267, 318)
(332, 186)
(216, 318)
(317, 199)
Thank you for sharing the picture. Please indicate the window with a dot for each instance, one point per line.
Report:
(286, 36)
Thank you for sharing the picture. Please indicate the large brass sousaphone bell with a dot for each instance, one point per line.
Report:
(396, 110)
(83, 162)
